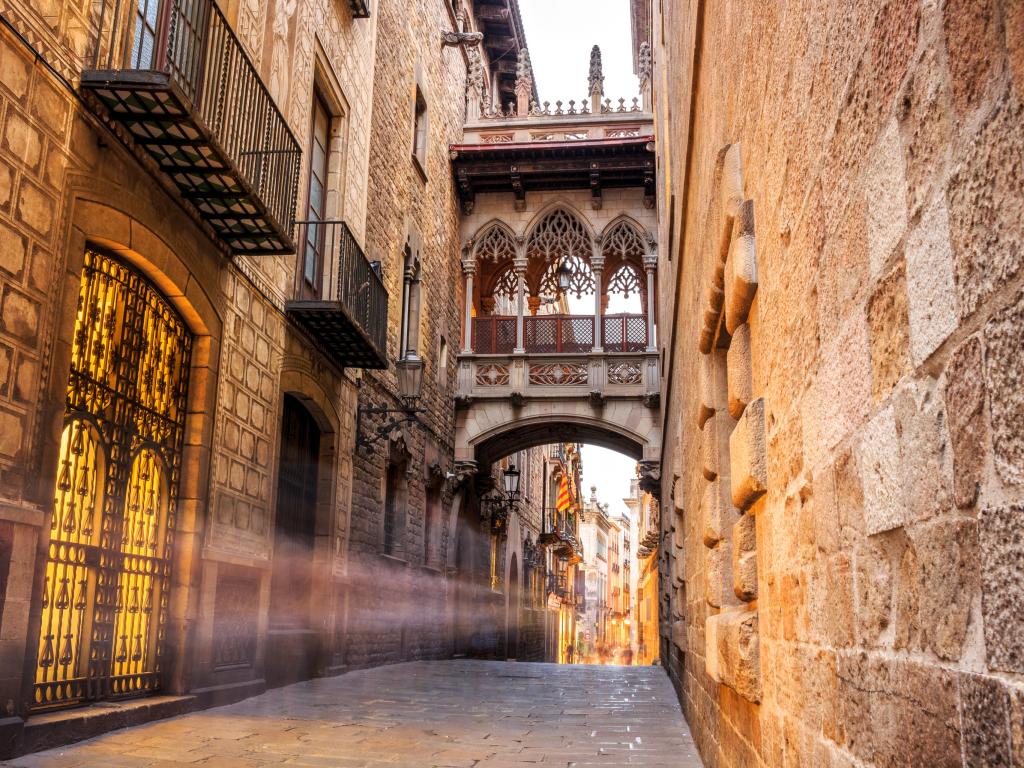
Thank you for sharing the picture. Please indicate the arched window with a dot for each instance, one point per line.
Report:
(558, 235)
(496, 245)
(106, 585)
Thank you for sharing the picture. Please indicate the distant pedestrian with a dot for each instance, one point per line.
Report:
(569, 653)
(627, 657)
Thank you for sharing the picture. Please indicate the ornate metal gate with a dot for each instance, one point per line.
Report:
(105, 592)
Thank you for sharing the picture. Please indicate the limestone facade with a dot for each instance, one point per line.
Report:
(840, 258)
(72, 181)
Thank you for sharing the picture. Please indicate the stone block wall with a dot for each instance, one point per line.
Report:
(67, 180)
(881, 566)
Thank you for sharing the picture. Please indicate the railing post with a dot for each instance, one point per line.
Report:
(468, 269)
(650, 265)
(597, 265)
(520, 267)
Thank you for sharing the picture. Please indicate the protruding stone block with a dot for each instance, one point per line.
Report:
(748, 457)
(719, 513)
(718, 576)
(740, 377)
(739, 652)
(711, 625)
(1004, 339)
(741, 269)
(744, 558)
(708, 391)
(930, 289)
(709, 449)
(714, 456)
(965, 410)
(878, 455)
(732, 180)
(1002, 572)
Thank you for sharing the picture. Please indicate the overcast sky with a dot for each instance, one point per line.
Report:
(560, 34)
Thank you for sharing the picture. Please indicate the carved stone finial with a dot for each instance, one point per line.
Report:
(474, 85)
(643, 65)
(524, 83)
(644, 70)
(596, 77)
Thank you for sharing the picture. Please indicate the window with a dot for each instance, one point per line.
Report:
(410, 339)
(316, 199)
(419, 136)
(442, 363)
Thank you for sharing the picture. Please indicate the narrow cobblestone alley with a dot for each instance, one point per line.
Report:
(450, 714)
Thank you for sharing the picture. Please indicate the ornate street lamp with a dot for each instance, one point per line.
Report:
(564, 275)
(409, 375)
(511, 481)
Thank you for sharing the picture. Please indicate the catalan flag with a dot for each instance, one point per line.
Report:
(564, 500)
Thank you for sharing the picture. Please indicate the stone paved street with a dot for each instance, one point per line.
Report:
(451, 714)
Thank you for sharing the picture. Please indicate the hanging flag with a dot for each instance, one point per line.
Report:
(564, 501)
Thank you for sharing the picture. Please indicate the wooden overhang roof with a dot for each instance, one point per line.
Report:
(522, 167)
(504, 37)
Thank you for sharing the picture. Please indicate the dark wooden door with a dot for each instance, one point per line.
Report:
(295, 527)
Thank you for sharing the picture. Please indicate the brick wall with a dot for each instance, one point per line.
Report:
(879, 147)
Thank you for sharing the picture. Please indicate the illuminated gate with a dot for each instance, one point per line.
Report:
(104, 597)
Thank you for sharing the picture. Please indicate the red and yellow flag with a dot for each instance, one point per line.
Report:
(564, 500)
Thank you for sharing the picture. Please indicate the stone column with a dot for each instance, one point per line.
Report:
(650, 265)
(520, 267)
(597, 265)
(468, 269)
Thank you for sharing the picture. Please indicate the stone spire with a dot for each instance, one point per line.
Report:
(524, 83)
(596, 78)
(643, 73)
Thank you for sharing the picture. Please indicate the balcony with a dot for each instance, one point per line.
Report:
(193, 102)
(339, 297)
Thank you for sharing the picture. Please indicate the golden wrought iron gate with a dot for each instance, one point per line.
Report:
(104, 598)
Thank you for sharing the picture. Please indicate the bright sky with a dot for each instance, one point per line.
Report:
(560, 34)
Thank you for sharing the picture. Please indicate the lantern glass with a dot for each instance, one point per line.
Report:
(564, 275)
(409, 371)
(511, 480)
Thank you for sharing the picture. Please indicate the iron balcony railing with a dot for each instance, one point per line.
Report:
(332, 268)
(572, 334)
(191, 44)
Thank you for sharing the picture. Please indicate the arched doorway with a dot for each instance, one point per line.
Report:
(464, 621)
(105, 590)
(512, 611)
(291, 653)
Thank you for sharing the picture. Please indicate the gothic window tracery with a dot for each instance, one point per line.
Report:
(496, 246)
(626, 280)
(581, 277)
(506, 290)
(559, 235)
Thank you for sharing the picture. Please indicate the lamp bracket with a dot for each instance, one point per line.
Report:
(366, 439)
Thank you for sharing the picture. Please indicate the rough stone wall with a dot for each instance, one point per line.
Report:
(880, 149)
(409, 204)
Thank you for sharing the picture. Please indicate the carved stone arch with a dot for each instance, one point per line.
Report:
(559, 236)
(494, 241)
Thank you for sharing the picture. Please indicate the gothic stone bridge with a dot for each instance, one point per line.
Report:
(559, 335)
